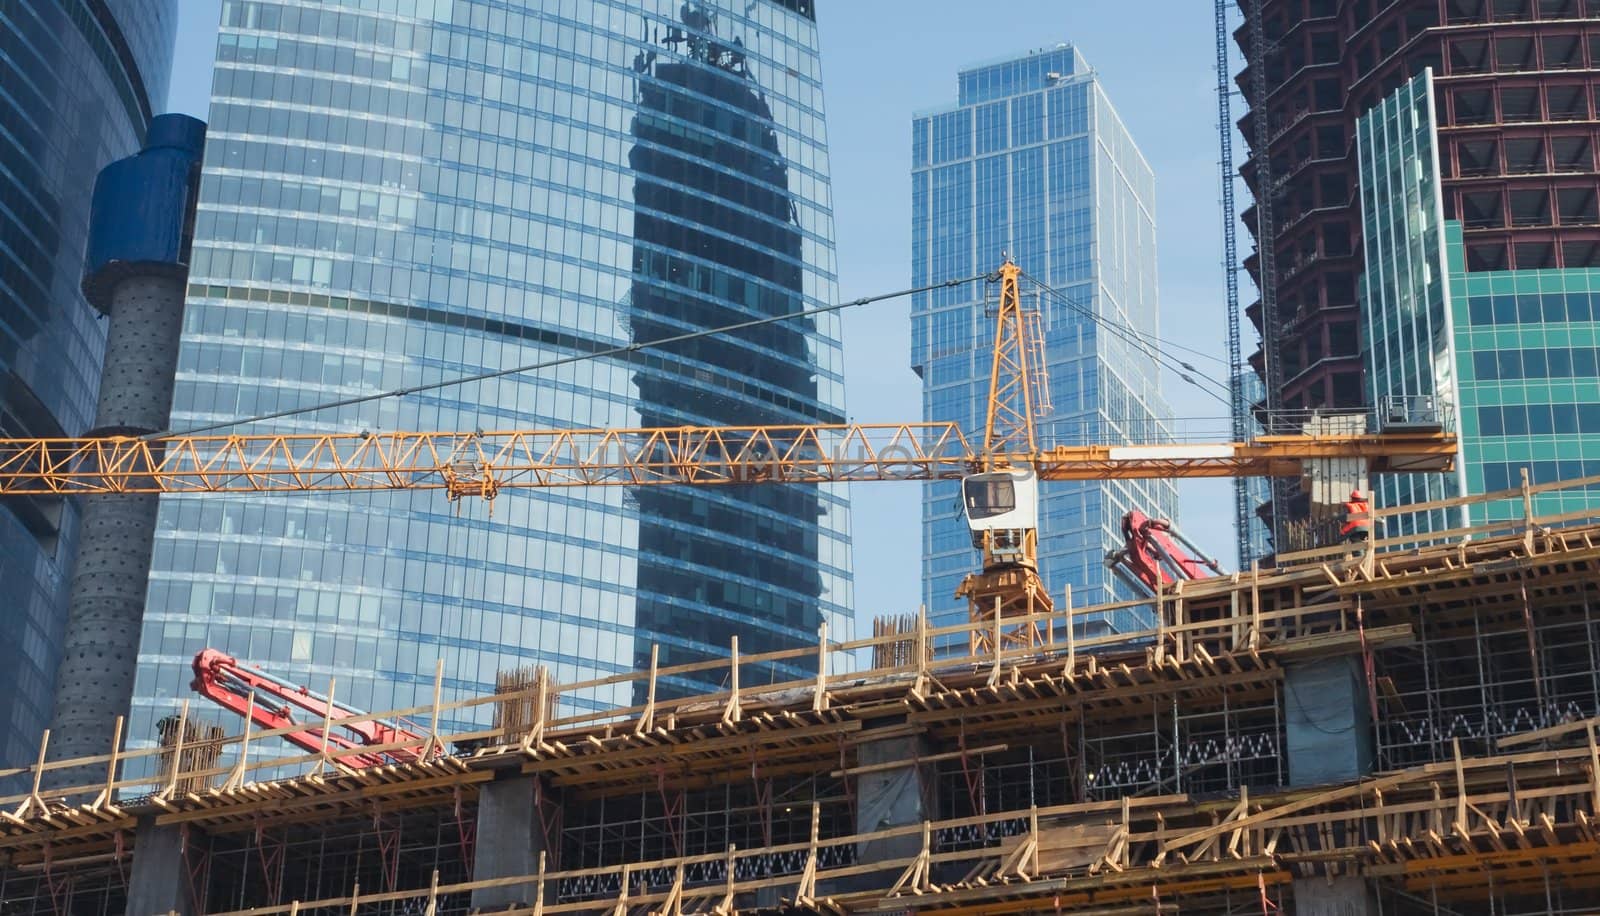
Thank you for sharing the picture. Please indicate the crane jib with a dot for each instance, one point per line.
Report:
(482, 464)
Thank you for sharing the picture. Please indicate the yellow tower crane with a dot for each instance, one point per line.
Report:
(999, 477)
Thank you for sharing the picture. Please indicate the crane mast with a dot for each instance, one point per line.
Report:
(1001, 501)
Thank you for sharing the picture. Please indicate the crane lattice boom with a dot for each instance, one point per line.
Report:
(482, 464)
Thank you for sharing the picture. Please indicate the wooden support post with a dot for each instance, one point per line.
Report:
(1254, 638)
(34, 799)
(673, 905)
(1461, 787)
(105, 798)
(920, 650)
(355, 898)
(1072, 634)
(538, 890)
(1527, 514)
(819, 695)
(725, 908)
(1237, 627)
(1238, 836)
(432, 746)
(433, 895)
(1033, 834)
(915, 877)
(1127, 820)
(808, 878)
(1158, 652)
(541, 710)
(327, 726)
(1029, 635)
(621, 909)
(995, 637)
(1181, 636)
(732, 713)
(236, 775)
(647, 719)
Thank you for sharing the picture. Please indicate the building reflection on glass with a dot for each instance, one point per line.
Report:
(716, 242)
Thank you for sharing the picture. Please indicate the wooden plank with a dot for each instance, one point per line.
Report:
(1544, 734)
(1270, 814)
(918, 761)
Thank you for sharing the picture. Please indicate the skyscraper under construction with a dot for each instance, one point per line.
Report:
(1515, 84)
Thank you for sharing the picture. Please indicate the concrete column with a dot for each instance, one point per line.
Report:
(509, 840)
(159, 883)
(1329, 724)
(141, 353)
(95, 681)
(136, 269)
(1345, 896)
(896, 797)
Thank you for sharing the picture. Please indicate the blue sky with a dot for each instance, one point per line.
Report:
(883, 60)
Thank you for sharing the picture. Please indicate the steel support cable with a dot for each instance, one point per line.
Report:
(1147, 344)
(1075, 304)
(620, 350)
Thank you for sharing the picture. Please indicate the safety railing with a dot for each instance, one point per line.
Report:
(1206, 618)
(1536, 804)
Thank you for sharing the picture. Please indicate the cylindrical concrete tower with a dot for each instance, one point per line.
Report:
(136, 269)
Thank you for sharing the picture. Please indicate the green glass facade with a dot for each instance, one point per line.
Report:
(1512, 357)
(1527, 346)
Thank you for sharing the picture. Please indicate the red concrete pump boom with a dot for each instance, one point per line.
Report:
(1157, 554)
(271, 702)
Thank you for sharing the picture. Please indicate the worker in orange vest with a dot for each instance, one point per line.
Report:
(1357, 518)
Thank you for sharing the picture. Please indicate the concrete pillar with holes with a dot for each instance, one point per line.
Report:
(140, 229)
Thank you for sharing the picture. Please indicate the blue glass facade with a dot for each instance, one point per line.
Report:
(79, 81)
(409, 191)
(1258, 490)
(1033, 161)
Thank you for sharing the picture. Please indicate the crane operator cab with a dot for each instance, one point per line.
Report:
(1002, 512)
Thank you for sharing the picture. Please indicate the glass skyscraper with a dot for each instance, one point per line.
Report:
(1033, 162)
(410, 191)
(79, 82)
(1513, 356)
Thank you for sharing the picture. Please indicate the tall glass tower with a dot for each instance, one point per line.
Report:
(1033, 161)
(79, 82)
(403, 193)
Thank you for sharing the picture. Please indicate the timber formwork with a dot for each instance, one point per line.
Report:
(1132, 773)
